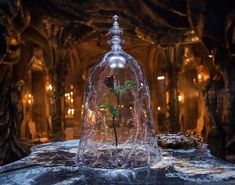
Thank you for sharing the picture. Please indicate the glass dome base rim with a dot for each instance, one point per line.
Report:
(84, 166)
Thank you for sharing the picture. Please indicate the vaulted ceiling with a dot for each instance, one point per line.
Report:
(70, 23)
(153, 21)
(159, 21)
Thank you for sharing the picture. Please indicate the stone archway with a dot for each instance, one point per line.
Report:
(36, 123)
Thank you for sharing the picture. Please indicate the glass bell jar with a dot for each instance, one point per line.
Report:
(117, 127)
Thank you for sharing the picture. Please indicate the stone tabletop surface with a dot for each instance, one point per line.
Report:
(53, 164)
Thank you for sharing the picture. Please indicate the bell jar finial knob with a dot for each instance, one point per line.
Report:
(116, 33)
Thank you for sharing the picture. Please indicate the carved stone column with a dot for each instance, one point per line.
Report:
(172, 88)
(228, 114)
(57, 75)
(59, 44)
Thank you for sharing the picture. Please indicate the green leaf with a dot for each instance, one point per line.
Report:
(121, 89)
(110, 108)
(127, 86)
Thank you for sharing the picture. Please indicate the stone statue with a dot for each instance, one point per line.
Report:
(11, 116)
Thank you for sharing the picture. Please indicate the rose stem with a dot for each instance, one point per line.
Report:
(114, 126)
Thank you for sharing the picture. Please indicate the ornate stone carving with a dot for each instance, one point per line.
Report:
(14, 21)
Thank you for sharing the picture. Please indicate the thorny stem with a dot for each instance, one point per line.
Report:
(114, 126)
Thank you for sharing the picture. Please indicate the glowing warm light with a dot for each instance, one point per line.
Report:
(130, 108)
(195, 38)
(91, 116)
(180, 98)
(82, 109)
(210, 56)
(161, 78)
(69, 100)
(28, 99)
(202, 75)
(70, 113)
(167, 97)
(29, 102)
(158, 108)
(49, 87)
(199, 76)
(145, 114)
(13, 41)
(67, 94)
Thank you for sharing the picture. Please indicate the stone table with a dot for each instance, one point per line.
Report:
(53, 164)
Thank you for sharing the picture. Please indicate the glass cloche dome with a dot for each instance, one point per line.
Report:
(117, 128)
